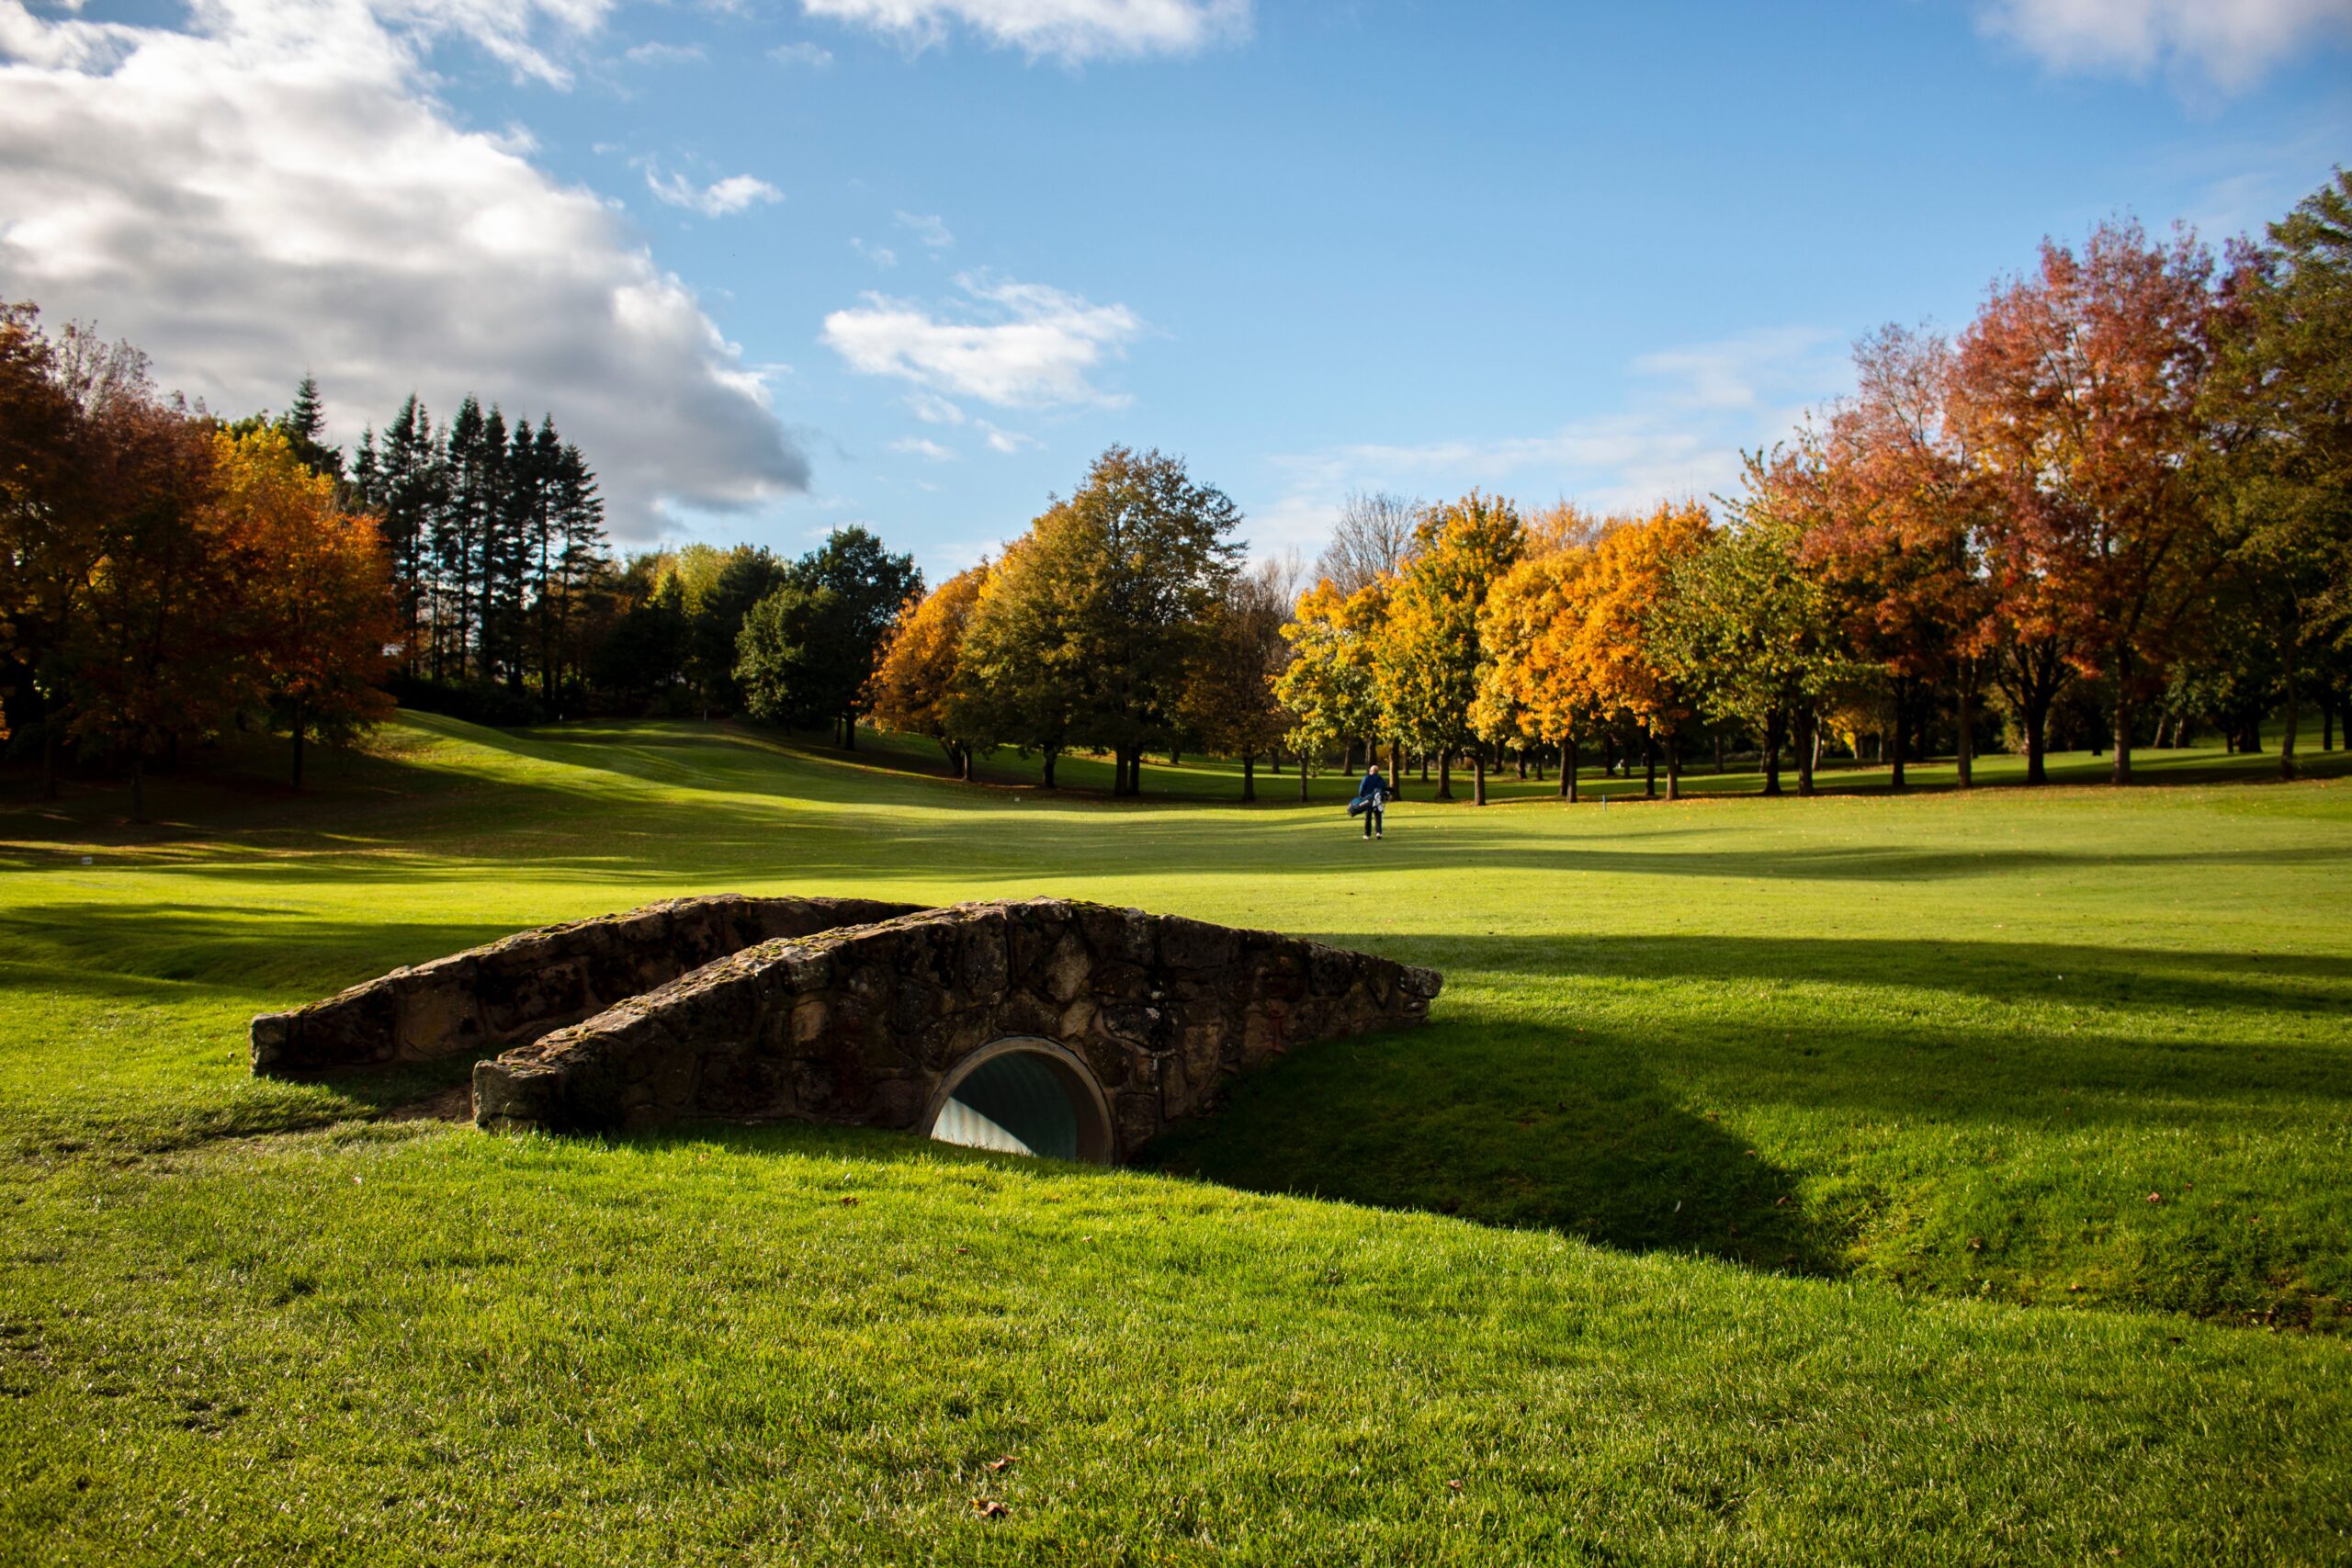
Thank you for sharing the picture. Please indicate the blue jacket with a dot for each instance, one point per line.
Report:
(1374, 789)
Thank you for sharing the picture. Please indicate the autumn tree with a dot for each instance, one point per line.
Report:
(1611, 650)
(314, 609)
(150, 660)
(1326, 686)
(916, 688)
(1901, 510)
(2079, 388)
(1425, 663)
(1525, 687)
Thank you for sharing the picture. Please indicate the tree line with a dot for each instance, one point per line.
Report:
(167, 576)
(2112, 511)
(164, 575)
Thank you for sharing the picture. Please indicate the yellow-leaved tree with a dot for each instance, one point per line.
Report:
(1527, 679)
(1326, 686)
(1425, 663)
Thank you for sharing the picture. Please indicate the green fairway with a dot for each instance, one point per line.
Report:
(1942, 1178)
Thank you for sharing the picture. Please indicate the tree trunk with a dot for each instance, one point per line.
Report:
(1650, 765)
(1674, 764)
(1773, 722)
(50, 750)
(1478, 776)
(1301, 778)
(1521, 755)
(1444, 772)
(2289, 720)
(1719, 751)
(1808, 747)
(1051, 758)
(2123, 773)
(1248, 777)
(1896, 752)
(1396, 763)
(298, 742)
(1965, 699)
(1569, 769)
(849, 732)
(1424, 767)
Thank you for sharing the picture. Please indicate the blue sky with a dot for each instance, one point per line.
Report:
(911, 263)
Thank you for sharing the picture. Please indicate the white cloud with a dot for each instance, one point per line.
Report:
(733, 194)
(1069, 30)
(1003, 440)
(932, 231)
(933, 410)
(667, 54)
(917, 447)
(1030, 347)
(880, 256)
(810, 56)
(275, 192)
(1739, 372)
(1681, 437)
(2231, 42)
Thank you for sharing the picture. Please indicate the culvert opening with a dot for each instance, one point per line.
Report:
(1023, 1095)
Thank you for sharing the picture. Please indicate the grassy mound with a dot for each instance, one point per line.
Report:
(1953, 1177)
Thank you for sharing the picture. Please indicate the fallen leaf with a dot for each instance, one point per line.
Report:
(1453, 1486)
(849, 1203)
(987, 1508)
(1001, 1461)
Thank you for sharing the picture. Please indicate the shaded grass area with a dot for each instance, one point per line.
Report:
(1773, 1184)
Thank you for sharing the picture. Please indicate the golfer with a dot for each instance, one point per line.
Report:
(1371, 795)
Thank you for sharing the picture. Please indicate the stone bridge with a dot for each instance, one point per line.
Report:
(1040, 1026)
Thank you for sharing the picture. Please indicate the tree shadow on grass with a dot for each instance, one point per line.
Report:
(1580, 1138)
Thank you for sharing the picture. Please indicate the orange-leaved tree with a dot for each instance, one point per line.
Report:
(1609, 652)
(2078, 386)
(1425, 663)
(315, 608)
(1526, 631)
(917, 687)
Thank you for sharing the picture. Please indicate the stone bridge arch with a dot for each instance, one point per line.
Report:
(1024, 1095)
(1146, 1019)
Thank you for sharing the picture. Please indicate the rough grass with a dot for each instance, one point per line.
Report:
(1773, 1185)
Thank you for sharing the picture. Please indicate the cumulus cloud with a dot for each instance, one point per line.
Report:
(2231, 42)
(1014, 344)
(813, 57)
(918, 446)
(733, 194)
(273, 192)
(1068, 31)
